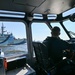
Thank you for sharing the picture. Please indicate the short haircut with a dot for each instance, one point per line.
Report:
(55, 30)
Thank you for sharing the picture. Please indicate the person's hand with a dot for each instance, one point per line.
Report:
(68, 54)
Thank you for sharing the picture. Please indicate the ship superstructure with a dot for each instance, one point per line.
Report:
(8, 38)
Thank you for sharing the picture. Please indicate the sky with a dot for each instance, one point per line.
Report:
(38, 29)
(42, 29)
(17, 28)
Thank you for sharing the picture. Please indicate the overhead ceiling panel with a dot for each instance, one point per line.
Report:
(34, 3)
(55, 6)
(37, 6)
(11, 6)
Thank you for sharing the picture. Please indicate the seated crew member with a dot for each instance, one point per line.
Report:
(55, 45)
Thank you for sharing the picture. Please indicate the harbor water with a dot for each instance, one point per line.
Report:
(14, 50)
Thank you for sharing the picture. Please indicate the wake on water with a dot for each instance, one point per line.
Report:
(14, 50)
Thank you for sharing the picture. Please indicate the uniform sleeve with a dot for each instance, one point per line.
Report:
(46, 41)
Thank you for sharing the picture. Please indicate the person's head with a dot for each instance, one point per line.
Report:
(55, 31)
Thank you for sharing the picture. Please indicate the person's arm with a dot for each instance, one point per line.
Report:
(46, 42)
(70, 53)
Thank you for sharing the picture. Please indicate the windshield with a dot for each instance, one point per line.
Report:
(13, 38)
(70, 26)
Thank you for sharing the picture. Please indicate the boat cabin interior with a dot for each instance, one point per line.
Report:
(37, 13)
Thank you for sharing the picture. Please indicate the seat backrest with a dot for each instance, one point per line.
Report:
(41, 54)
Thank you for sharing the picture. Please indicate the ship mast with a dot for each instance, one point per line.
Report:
(2, 30)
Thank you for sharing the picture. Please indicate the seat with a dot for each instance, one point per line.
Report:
(42, 59)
